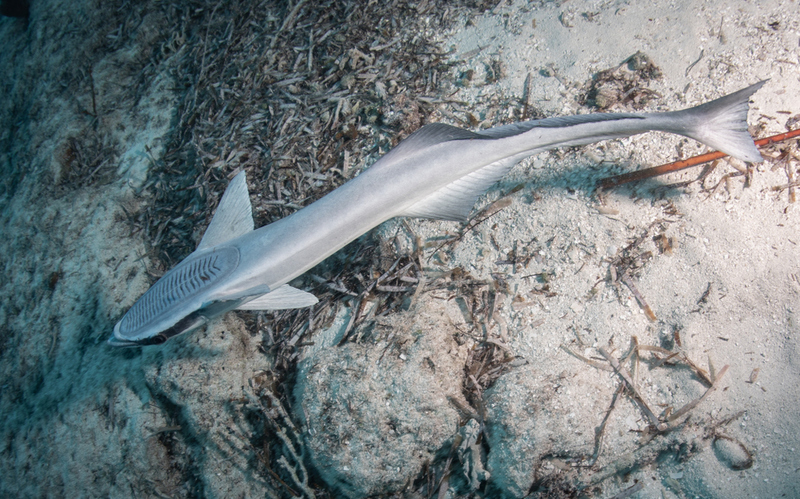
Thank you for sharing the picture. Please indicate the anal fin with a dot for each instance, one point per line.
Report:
(456, 200)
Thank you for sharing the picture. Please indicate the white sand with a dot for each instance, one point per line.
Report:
(743, 242)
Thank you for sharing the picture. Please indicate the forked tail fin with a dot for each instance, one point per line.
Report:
(722, 124)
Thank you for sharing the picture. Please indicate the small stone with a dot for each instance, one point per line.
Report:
(732, 453)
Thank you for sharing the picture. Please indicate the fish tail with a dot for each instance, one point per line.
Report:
(722, 124)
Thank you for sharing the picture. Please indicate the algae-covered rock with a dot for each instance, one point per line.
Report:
(531, 416)
(375, 412)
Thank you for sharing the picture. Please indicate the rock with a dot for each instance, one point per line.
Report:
(530, 416)
(199, 384)
(375, 412)
(732, 453)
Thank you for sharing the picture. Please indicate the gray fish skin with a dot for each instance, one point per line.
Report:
(437, 172)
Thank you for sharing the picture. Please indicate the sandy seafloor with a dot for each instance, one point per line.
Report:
(79, 419)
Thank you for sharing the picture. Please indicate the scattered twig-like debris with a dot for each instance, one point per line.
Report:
(485, 364)
(692, 65)
(82, 157)
(671, 358)
(789, 157)
(593, 363)
(486, 361)
(624, 266)
(600, 430)
(704, 297)
(677, 439)
(691, 405)
(292, 457)
(629, 491)
(669, 420)
(724, 180)
(626, 279)
(164, 429)
(632, 387)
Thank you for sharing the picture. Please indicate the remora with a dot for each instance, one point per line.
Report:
(437, 172)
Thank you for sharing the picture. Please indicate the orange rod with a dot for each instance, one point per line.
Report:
(616, 180)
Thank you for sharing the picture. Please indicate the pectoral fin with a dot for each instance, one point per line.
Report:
(234, 216)
(455, 200)
(282, 298)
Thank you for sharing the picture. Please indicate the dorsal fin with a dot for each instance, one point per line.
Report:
(234, 216)
(436, 133)
(503, 131)
(455, 200)
(429, 135)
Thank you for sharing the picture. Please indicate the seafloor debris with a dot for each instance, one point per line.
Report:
(663, 357)
(668, 433)
(287, 440)
(300, 109)
(628, 262)
(624, 85)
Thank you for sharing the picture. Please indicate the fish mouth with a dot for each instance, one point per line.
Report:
(192, 321)
(116, 342)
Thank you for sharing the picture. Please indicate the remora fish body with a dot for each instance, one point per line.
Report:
(437, 172)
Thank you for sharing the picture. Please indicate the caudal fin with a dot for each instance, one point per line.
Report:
(722, 124)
